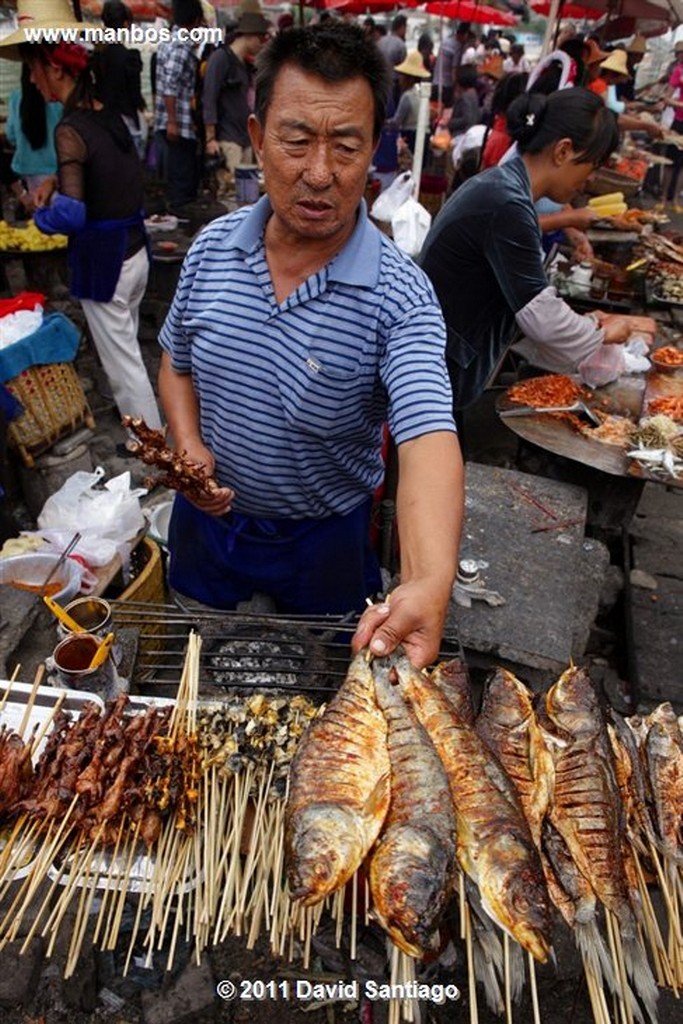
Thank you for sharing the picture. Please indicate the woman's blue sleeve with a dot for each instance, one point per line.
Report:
(64, 216)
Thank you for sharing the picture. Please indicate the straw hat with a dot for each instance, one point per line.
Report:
(38, 14)
(617, 62)
(592, 52)
(638, 44)
(412, 66)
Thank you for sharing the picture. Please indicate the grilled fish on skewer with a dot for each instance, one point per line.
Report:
(412, 865)
(338, 789)
(586, 810)
(453, 680)
(507, 724)
(495, 847)
(664, 756)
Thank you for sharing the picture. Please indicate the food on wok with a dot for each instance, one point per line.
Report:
(539, 392)
(669, 355)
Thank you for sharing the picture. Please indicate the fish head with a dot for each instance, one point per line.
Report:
(515, 895)
(410, 881)
(572, 703)
(324, 846)
(507, 701)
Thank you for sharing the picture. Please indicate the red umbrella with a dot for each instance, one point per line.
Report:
(466, 10)
(568, 10)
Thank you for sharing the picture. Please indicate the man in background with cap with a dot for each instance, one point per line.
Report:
(614, 69)
(226, 94)
(635, 51)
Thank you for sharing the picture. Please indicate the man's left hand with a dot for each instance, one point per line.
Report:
(413, 617)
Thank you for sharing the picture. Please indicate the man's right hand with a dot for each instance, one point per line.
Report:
(220, 501)
(212, 147)
(172, 132)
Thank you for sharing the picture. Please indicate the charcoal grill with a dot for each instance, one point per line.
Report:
(243, 652)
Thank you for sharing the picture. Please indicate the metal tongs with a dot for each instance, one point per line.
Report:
(530, 410)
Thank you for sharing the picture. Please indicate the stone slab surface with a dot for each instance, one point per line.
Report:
(656, 535)
(535, 561)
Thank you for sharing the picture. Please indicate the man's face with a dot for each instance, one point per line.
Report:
(315, 149)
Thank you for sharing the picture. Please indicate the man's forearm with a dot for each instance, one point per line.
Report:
(429, 509)
(179, 402)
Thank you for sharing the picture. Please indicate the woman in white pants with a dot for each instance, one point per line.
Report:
(96, 200)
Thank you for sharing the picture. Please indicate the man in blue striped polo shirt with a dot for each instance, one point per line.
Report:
(297, 330)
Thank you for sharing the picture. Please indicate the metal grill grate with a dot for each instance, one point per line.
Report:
(243, 651)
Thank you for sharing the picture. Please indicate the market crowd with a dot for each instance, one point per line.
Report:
(298, 332)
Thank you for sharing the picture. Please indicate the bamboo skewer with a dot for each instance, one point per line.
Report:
(31, 701)
(534, 990)
(471, 977)
(508, 992)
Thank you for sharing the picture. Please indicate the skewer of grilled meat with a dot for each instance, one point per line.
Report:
(495, 847)
(453, 680)
(412, 864)
(664, 757)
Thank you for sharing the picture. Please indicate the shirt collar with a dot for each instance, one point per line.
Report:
(358, 262)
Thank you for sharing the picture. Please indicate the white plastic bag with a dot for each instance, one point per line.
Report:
(409, 226)
(603, 366)
(112, 511)
(388, 202)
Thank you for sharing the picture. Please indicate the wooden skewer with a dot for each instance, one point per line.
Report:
(354, 916)
(508, 993)
(47, 724)
(31, 700)
(471, 977)
(623, 991)
(534, 990)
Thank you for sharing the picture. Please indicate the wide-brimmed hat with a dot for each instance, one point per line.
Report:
(413, 65)
(638, 44)
(617, 62)
(251, 23)
(39, 14)
(592, 54)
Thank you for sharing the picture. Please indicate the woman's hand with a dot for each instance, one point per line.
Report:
(42, 194)
(413, 616)
(220, 501)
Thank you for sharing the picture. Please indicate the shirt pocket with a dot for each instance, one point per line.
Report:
(321, 394)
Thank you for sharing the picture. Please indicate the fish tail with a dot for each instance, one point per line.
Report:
(640, 973)
(487, 971)
(517, 970)
(594, 952)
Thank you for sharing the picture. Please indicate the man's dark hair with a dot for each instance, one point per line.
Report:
(116, 14)
(187, 13)
(464, 28)
(336, 52)
(400, 21)
(466, 76)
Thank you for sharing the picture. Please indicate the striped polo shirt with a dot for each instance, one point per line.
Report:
(293, 396)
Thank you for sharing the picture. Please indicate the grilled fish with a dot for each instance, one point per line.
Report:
(507, 724)
(664, 755)
(586, 811)
(585, 801)
(339, 790)
(412, 865)
(495, 847)
(453, 680)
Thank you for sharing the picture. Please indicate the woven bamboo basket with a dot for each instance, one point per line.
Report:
(147, 587)
(54, 405)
